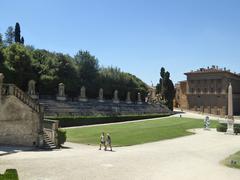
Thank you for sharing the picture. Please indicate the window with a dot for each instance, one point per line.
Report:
(212, 90)
(205, 90)
(192, 90)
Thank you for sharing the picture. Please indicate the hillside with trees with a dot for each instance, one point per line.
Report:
(21, 63)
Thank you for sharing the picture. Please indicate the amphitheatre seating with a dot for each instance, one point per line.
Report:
(93, 107)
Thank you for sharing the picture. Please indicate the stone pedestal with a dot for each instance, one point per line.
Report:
(34, 96)
(61, 98)
(230, 127)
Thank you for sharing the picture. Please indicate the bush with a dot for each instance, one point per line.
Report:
(10, 174)
(222, 127)
(90, 120)
(237, 128)
(62, 137)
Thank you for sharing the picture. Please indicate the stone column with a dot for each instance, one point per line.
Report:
(139, 98)
(230, 121)
(1, 82)
(230, 101)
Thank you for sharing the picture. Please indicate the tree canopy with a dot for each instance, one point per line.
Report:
(21, 63)
(166, 88)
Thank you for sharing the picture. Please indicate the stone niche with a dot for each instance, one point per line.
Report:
(19, 124)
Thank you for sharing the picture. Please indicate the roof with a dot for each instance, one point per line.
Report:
(213, 69)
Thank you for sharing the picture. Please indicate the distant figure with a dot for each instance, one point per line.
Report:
(108, 142)
(180, 115)
(102, 141)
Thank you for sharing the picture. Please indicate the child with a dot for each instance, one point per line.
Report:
(108, 141)
(102, 141)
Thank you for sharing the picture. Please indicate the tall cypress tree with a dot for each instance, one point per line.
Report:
(17, 33)
(22, 40)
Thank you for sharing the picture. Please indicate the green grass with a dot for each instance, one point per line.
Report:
(136, 132)
(10, 174)
(235, 157)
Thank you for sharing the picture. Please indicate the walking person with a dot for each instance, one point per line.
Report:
(102, 141)
(108, 142)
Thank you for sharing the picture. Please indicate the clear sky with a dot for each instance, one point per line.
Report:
(138, 36)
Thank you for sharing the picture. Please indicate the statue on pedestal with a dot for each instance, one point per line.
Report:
(115, 97)
(139, 99)
(83, 94)
(128, 99)
(32, 89)
(100, 95)
(207, 123)
(61, 92)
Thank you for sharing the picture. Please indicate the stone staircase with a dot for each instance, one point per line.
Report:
(47, 142)
(12, 90)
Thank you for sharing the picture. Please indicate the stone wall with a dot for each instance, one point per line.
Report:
(19, 124)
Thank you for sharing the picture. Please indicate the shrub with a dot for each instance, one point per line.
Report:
(222, 127)
(62, 137)
(10, 174)
(89, 120)
(237, 128)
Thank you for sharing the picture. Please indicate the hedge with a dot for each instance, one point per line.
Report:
(62, 137)
(222, 127)
(10, 174)
(90, 120)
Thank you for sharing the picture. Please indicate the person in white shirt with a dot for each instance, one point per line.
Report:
(108, 142)
(102, 141)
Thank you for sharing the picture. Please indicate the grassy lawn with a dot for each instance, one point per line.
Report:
(10, 174)
(136, 132)
(233, 160)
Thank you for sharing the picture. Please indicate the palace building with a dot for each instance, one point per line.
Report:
(206, 90)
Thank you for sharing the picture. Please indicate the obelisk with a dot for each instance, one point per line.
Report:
(230, 120)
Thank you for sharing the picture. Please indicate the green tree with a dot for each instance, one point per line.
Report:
(18, 63)
(88, 68)
(9, 36)
(1, 39)
(17, 33)
(67, 74)
(166, 88)
(22, 40)
(169, 90)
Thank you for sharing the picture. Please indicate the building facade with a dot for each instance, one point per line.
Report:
(206, 90)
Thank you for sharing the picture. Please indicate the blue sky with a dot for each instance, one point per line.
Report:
(138, 36)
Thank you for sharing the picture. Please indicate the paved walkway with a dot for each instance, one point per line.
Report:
(191, 157)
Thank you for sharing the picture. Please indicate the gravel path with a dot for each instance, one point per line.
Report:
(192, 157)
